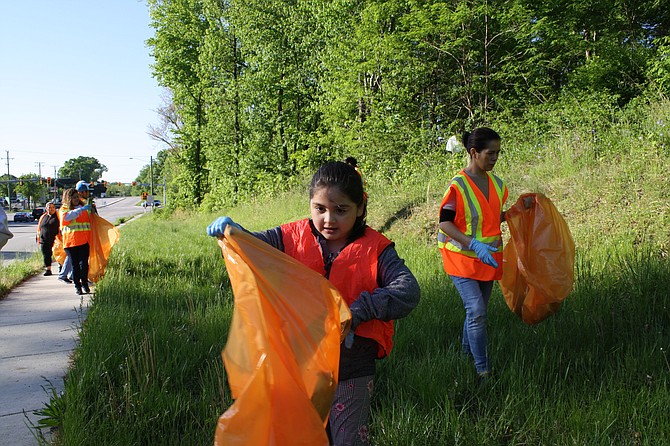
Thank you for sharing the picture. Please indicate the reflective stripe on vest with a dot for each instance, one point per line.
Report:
(75, 232)
(473, 214)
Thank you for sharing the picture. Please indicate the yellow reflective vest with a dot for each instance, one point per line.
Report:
(478, 217)
(75, 232)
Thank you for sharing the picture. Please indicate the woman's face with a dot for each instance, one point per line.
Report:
(486, 159)
(51, 208)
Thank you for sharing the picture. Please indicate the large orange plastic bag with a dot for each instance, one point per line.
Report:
(103, 237)
(58, 251)
(538, 261)
(283, 348)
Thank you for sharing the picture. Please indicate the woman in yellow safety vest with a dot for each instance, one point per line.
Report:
(75, 221)
(469, 238)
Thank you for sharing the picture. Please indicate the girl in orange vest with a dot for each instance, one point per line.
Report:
(75, 226)
(470, 239)
(335, 242)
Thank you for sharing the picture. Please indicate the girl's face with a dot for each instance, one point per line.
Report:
(486, 159)
(51, 209)
(333, 215)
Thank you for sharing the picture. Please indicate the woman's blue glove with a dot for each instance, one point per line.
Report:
(218, 227)
(483, 251)
(87, 207)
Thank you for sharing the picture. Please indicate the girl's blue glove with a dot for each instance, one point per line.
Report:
(218, 227)
(483, 251)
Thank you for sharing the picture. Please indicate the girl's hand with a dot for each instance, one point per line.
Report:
(218, 227)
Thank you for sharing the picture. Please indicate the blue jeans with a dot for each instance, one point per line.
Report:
(66, 270)
(475, 295)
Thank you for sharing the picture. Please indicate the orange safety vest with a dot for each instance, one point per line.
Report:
(74, 232)
(475, 217)
(353, 271)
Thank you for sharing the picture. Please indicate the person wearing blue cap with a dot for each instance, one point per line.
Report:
(65, 272)
(84, 191)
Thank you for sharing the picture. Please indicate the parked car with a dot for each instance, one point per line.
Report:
(157, 203)
(24, 216)
(37, 213)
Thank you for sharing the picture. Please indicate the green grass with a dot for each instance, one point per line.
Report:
(148, 370)
(16, 272)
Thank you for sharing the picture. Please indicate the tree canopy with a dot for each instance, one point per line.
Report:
(263, 90)
(85, 168)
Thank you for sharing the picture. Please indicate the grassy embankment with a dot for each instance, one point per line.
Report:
(148, 370)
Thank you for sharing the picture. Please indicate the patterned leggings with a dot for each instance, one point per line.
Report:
(348, 421)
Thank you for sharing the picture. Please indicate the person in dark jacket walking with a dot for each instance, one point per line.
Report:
(47, 230)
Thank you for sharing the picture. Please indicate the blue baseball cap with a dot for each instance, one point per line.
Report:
(82, 186)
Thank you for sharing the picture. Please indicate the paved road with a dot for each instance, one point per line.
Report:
(23, 243)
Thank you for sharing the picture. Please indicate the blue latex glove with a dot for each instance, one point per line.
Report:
(218, 227)
(88, 208)
(483, 251)
(349, 340)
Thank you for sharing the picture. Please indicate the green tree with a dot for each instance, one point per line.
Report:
(29, 186)
(85, 168)
(180, 28)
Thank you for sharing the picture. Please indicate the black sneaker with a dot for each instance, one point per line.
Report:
(79, 291)
(64, 279)
(47, 273)
(86, 289)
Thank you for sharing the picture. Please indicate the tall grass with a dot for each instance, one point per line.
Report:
(148, 370)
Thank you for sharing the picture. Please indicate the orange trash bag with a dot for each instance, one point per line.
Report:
(283, 348)
(538, 261)
(103, 237)
(58, 250)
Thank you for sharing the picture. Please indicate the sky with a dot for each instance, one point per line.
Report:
(75, 80)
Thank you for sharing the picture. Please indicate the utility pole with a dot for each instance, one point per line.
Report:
(9, 194)
(151, 173)
(55, 186)
(39, 169)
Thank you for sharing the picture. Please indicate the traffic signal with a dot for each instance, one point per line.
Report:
(40, 180)
(134, 183)
(48, 181)
(119, 183)
(144, 195)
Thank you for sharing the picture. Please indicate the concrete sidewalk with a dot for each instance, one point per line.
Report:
(39, 324)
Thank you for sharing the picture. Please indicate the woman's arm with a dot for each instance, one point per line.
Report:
(449, 228)
(73, 214)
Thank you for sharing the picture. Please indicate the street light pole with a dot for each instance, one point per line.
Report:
(151, 173)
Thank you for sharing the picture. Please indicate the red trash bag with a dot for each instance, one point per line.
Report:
(538, 261)
(103, 237)
(283, 348)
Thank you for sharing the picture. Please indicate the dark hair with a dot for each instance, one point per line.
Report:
(344, 177)
(479, 138)
(351, 161)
